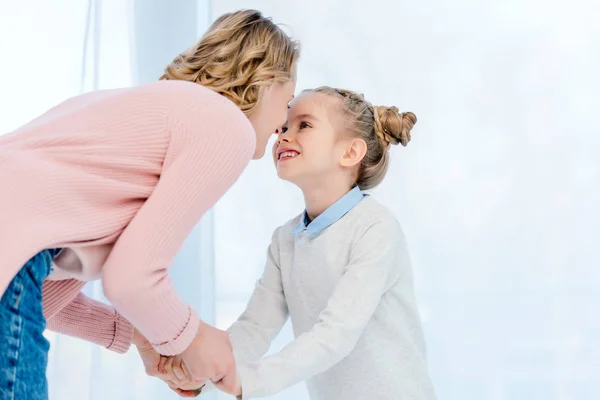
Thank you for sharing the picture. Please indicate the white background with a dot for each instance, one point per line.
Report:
(497, 192)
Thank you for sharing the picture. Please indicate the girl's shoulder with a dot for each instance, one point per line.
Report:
(372, 217)
(371, 212)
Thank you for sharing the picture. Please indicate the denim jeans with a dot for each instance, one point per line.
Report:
(23, 347)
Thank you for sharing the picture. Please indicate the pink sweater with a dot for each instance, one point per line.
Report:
(133, 167)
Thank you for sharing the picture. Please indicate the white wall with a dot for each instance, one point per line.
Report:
(497, 192)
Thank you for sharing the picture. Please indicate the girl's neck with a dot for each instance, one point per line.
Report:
(319, 198)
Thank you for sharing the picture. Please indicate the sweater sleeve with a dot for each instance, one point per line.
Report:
(266, 313)
(211, 143)
(95, 322)
(370, 273)
(84, 318)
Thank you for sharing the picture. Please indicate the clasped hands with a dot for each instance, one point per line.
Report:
(208, 358)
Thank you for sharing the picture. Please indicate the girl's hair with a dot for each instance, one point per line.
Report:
(239, 53)
(378, 126)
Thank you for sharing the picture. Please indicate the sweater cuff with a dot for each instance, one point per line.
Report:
(123, 335)
(183, 340)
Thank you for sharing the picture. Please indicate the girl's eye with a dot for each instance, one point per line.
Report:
(304, 125)
(284, 129)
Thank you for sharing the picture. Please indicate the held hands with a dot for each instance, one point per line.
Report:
(208, 357)
(152, 364)
(180, 380)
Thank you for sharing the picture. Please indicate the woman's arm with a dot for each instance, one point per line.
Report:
(371, 272)
(211, 144)
(83, 317)
(95, 322)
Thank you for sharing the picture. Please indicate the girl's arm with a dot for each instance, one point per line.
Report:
(266, 313)
(372, 270)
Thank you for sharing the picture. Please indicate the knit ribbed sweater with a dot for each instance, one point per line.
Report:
(132, 168)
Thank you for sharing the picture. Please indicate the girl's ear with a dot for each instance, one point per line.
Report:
(355, 152)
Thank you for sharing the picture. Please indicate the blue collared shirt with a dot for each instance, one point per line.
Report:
(331, 215)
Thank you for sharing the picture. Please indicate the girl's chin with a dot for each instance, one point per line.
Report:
(285, 174)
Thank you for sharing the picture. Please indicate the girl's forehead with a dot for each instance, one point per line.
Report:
(311, 102)
(321, 108)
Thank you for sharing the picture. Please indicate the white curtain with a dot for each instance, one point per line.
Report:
(58, 49)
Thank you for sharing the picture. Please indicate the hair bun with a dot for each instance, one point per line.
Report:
(392, 126)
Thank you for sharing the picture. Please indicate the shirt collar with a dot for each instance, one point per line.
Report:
(331, 215)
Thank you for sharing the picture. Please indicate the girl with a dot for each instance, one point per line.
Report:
(117, 179)
(340, 270)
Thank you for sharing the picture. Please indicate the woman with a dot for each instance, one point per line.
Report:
(107, 185)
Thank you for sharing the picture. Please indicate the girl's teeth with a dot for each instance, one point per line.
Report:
(288, 154)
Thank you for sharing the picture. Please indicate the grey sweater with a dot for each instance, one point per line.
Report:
(349, 293)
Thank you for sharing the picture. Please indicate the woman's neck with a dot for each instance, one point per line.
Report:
(317, 199)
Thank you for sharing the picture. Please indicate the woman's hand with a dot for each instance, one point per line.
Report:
(150, 357)
(210, 357)
(154, 367)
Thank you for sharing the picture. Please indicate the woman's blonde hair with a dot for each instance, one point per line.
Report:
(378, 126)
(241, 52)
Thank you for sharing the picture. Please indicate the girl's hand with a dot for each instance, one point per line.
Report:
(235, 391)
(179, 378)
(178, 375)
(177, 372)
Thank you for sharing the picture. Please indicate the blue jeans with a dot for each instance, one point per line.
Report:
(23, 347)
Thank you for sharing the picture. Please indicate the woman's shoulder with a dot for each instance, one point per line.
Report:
(187, 94)
(201, 117)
